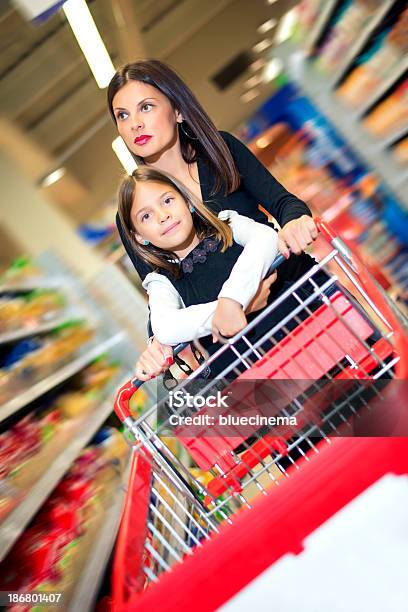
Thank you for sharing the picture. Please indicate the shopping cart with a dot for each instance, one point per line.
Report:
(203, 528)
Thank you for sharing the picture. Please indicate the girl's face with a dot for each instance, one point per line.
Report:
(160, 215)
(145, 119)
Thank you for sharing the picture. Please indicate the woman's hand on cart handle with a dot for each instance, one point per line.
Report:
(296, 235)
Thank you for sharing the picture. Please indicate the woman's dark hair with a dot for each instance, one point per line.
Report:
(204, 135)
(206, 223)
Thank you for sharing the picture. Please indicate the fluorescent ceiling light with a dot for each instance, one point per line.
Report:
(90, 41)
(266, 26)
(53, 177)
(249, 95)
(124, 155)
(286, 26)
(272, 69)
(253, 81)
(262, 45)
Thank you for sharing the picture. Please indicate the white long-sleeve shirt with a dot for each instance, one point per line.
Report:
(173, 323)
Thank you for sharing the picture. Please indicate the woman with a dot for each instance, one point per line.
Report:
(165, 127)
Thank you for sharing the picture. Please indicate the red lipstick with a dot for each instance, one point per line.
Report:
(142, 140)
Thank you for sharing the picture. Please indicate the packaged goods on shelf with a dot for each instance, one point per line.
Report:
(308, 12)
(61, 358)
(31, 309)
(334, 186)
(353, 17)
(87, 388)
(52, 552)
(21, 270)
(301, 168)
(374, 67)
(400, 152)
(267, 146)
(27, 449)
(313, 17)
(390, 115)
(138, 402)
(33, 359)
(331, 163)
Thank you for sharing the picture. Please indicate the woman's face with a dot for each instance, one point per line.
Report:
(160, 215)
(145, 119)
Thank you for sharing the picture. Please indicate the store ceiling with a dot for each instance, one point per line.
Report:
(49, 101)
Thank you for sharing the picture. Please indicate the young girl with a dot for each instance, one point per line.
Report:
(207, 268)
(165, 127)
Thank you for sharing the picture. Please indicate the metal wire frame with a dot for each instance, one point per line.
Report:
(175, 523)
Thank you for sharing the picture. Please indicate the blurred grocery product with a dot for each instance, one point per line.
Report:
(30, 309)
(138, 402)
(20, 270)
(400, 152)
(35, 358)
(375, 65)
(347, 166)
(62, 355)
(352, 18)
(50, 555)
(27, 448)
(390, 115)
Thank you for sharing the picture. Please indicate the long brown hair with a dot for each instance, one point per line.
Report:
(206, 224)
(203, 136)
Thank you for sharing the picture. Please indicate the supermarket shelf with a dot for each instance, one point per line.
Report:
(92, 574)
(393, 78)
(25, 332)
(390, 140)
(350, 128)
(56, 378)
(116, 255)
(42, 284)
(361, 41)
(319, 26)
(16, 521)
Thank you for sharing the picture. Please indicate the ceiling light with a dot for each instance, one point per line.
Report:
(52, 177)
(249, 95)
(253, 81)
(272, 69)
(286, 26)
(257, 65)
(262, 45)
(271, 1)
(266, 26)
(90, 41)
(124, 155)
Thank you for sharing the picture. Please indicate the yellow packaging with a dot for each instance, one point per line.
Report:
(401, 152)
